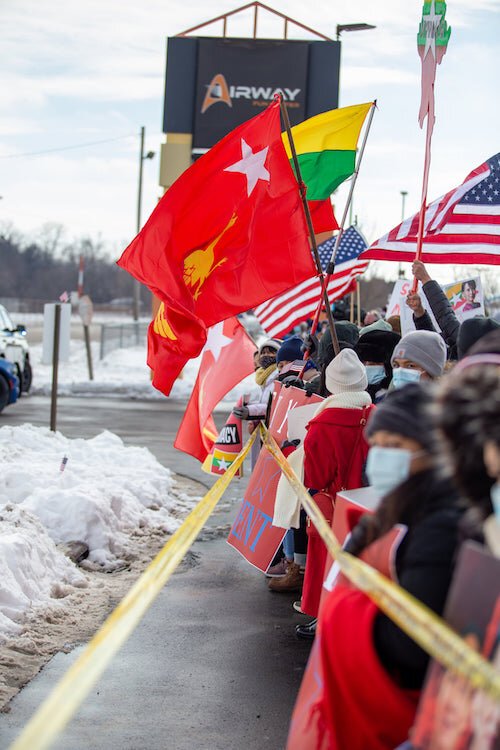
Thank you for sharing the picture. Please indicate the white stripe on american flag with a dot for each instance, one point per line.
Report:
(471, 210)
(454, 196)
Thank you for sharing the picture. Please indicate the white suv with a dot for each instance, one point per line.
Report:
(14, 347)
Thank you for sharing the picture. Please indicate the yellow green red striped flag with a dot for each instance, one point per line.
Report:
(326, 148)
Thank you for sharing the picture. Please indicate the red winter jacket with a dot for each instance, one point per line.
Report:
(335, 450)
(347, 700)
(334, 455)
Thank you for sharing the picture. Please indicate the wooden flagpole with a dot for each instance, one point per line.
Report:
(302, 189)
(432, 41)
(423, 200)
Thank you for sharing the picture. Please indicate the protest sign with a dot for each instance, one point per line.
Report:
(466, 299)
(283, 401)
(347, 503)
(252, 533)
(225, 449)
(451, 712)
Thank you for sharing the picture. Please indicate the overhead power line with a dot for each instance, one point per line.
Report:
(67, 148)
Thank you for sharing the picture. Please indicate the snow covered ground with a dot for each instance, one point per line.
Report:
(106, 495)
(123, 372)
(118, 500)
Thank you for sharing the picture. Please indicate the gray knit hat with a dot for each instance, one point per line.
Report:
(425, 348)
(345, 373)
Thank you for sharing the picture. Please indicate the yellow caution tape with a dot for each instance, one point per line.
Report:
(72, 689)
(416, 619)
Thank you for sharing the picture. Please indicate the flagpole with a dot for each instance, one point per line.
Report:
(423, 203)
(302, 191)
(331, 265)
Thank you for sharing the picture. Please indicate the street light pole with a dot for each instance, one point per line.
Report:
(142, 156)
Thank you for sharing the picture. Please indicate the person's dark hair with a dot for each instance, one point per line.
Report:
(468, 415)
(471, 283)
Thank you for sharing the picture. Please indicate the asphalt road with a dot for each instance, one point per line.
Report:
(214, 664)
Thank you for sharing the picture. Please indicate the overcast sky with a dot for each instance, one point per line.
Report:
(74, 72)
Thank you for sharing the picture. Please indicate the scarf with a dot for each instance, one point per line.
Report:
(262, 375)
(345, 400)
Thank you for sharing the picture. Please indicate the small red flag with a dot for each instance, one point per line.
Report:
(323, 218)
(227, 359)
(229, 234)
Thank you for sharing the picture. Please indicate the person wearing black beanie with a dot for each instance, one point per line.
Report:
(375, 349)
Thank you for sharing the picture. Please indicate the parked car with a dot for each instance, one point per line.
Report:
(14, 348)
(9, 383)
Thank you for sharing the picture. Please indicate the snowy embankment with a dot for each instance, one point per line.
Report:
(107, 496)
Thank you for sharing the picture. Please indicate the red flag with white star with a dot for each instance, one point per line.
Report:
(229, 234)
(227, 359)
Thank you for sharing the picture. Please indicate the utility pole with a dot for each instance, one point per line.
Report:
(142, 156)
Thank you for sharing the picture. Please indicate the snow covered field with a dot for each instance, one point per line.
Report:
(123, 372)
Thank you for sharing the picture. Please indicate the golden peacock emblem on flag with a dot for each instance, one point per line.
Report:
(200, 264)
(161, 326)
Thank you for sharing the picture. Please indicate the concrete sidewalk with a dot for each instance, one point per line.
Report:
(214, 665)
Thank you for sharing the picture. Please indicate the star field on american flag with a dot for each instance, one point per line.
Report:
(351, 245)
(488, 190)
(279, 315)
(462, 226)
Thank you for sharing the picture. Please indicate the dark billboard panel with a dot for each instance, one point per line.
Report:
(238, 77)
(214, 84)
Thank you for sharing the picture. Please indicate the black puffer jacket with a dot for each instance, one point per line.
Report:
(424, 565)
(431, 509)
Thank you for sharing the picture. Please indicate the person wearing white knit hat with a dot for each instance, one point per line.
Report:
(332, 458)
(346, 373)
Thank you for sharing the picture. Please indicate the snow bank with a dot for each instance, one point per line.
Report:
(33, 572)
(106, 492)
(107, 496)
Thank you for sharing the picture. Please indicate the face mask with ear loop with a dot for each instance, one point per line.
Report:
(495, 500)
(386, 468)
(375, 374)
(403, 375)
(266, 361)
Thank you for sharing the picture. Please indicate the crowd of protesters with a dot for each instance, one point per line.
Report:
(417, 418)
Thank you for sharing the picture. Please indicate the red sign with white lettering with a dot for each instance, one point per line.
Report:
(285, 399)
(252, 533)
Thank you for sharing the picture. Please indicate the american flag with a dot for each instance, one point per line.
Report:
(461, 227)
(279, 315)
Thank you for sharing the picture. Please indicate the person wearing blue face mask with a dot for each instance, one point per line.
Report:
(369, 666)
(420, 355)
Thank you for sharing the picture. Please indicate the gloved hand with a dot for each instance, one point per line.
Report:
(310, 345)
(241, 412)
(293, 380)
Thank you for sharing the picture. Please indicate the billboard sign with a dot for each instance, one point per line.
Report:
(237, 78)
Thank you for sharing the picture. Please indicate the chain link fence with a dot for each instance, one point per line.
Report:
(122, 335)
